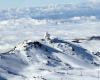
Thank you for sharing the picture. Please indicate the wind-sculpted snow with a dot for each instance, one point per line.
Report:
(57, 54)
(73, 52)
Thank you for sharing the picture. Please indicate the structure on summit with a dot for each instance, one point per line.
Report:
(47, 36)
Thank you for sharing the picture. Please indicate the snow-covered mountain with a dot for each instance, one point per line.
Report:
(45, 55)
(73, 52)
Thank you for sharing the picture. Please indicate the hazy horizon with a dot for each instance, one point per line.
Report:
(5, 4)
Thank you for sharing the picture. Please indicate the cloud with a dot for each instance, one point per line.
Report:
(94, 1)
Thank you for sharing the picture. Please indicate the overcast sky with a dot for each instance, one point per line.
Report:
(24, 3)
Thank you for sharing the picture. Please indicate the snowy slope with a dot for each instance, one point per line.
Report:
(62, 57)
(43, 55)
